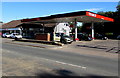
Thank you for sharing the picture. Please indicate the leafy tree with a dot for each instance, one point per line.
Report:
(118, 7)
(101, 13)
(1, 22)
(107, 14)
(115, 15)
(109, 27)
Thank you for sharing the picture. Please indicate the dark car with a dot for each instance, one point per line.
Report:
(118, 37)
(84, 36)
(100, 36)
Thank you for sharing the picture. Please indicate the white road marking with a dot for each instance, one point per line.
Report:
(73, 65)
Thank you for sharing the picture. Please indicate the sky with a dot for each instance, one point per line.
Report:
(22, 10)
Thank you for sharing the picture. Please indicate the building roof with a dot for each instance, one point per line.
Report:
(17, 23)
(1, 23)
(12, 24)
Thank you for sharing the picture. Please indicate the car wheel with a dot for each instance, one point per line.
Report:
(104, 38)
(16, 38)
(70, 42)
(63, 41)
(89, 39)
(5, 36)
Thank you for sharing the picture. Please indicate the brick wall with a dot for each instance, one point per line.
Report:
(45, 37)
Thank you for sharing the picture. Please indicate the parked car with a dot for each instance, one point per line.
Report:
(66, 39)
(118, 37)
(6, 35)
(100, 36)
(16, 35)
(84, 36)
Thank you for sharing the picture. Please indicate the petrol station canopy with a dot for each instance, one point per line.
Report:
(80, 16)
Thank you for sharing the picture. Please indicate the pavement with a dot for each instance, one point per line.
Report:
(42, 44)
(104, 48)
(105, 45)
(111, 46)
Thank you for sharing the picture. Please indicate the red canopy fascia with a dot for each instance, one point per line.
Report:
(67, 15)
(99, 16)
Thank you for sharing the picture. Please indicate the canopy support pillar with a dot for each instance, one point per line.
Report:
(75, 24)
(43, 28)
(21, 30)
(93, 31)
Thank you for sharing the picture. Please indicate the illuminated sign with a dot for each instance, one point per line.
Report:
(91, 14)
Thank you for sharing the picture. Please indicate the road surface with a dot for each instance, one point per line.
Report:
(25, 60)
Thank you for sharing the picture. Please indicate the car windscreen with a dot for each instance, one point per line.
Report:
(16, 34)
(7, 33)
(66, 36)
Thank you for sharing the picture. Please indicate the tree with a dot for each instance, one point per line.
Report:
(115, 15)
(107, 14)
(101, 13)
(109, 26)
(1, 22)
(118, 7)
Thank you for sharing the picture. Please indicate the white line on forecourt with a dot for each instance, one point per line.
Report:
(65, 63)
